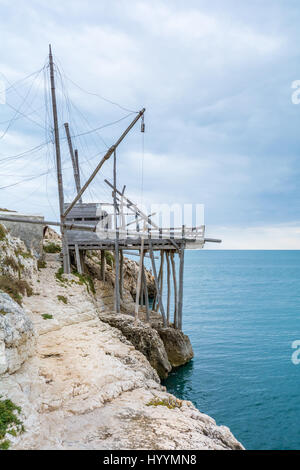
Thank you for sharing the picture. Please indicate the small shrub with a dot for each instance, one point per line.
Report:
(52, 248)
(109, 258)
(12, 263)
(59, 276)
(9, 422)
(87, 280)
(62, 298)
(15, 288)
(3, 232)
(170, 402)
(24, 254)
(46, 316)
(41, 264)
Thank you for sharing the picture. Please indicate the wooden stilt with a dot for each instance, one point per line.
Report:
(161, 306)
(139, 281)
(146, 295)
(160, 277)
(121, 274)
(117, 259)
(168, 286)
(117, 276)
(102, 265)
(175, 290)
(180, 293)
(78, 260)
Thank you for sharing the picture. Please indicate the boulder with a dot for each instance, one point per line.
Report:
(144, 338)
(177, 345)
(17, 336)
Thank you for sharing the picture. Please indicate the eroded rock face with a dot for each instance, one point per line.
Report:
(177, 345)
(144, 338)
(17, 336)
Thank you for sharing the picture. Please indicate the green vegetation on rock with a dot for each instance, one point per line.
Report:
(15, 288)
(3, 232)
(41, 264)
(170, 402)
(62, 298)
(47, 316)
(9, 422)
(52, 248)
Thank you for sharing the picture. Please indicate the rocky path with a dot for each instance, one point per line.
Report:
(87, 387)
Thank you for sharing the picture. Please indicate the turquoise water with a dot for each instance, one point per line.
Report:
(242, 313)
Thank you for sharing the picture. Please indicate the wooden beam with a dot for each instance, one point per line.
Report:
(162, 310)
(133, 207)
(106, 157)
(67, 225)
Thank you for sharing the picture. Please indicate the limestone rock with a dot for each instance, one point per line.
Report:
(17, 336)
(144, 338)
(177, 345)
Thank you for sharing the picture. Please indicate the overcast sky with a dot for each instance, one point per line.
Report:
(215, 78)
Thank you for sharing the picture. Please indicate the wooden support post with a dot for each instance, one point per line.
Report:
(146, 294)
(65, 250)
(168, 286)
(139, 280)
(160, 276)
(162, 310)
(121, 274)
(74, 160)
(102, 265)
(78, 260)
(180, 296)
(117, 275)
(175, 291)
(117, 259)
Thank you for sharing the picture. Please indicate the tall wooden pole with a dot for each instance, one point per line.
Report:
(175, 291)
(146, 294)
(121, 274)
(168, 286)
(117, 260)
(180, 296)
(161, 306)
(73, 158)
(65, 251)
(102, 265)
(139, 281)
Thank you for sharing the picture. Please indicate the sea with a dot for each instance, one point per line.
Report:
(242, 314)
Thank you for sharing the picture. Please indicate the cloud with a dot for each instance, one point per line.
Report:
(216, 82)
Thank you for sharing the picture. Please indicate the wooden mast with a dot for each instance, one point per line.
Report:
(74, 160)
(66, 263)
(117, 259)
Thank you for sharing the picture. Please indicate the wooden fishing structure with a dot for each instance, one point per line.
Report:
(103, 226)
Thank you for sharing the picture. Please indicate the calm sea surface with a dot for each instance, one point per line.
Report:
(242, 313)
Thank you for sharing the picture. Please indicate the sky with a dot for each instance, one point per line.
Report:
(216, 80)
